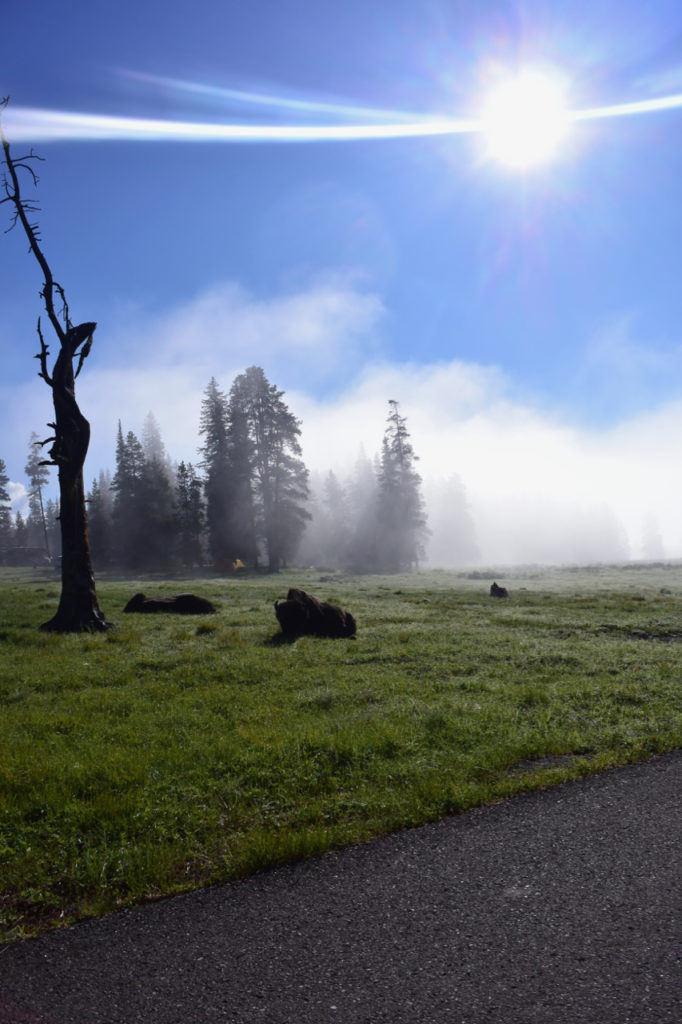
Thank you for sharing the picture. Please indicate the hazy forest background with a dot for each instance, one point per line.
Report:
(248, 502)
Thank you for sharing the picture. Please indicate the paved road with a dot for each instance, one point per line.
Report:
(560, 907)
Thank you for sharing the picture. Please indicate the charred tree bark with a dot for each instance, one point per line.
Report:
(78, 609)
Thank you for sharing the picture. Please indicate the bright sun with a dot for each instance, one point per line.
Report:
(525, 119)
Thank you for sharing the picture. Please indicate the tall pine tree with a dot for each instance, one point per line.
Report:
(400, 514)
(189, 515)
(126, 485)
(215, 463)
(278, 475)
(38, 474)
(100, 521)
(242, 523)
(20, 532)
(363, 499)
(153, 447)
(5, 512)
(337, 514)
(143, 507)
(54, 538)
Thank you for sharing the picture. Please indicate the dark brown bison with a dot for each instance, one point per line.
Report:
(181, 604)
(302, 614)
(496, 591)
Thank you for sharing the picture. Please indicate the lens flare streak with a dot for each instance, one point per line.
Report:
(624, 109)
(275, 101)
(28, 124)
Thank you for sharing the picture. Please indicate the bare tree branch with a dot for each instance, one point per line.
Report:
(13, 190)
(42, 356)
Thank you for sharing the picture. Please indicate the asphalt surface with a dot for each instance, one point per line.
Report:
(559, 907)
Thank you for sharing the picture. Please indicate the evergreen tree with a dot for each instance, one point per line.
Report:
(20, 531)
(363, 496)
(100, 522)
(453, 534)
(241, 524)
(327, 539)
(215, 462)
(279, 476)
(337, 514)
(126, 485)
(5, 510)
(54, 539)
(143, 507)
(157, 532)
(38, 474)
(400, 513)
(189, 515)
(153, 447)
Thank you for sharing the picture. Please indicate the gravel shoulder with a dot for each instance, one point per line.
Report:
(558, 907)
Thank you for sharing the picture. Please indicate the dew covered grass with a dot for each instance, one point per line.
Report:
(175, 752)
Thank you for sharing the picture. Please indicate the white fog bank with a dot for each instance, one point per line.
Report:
(505, 480)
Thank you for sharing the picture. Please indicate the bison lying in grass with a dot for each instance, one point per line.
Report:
(181, 604)
(302, 614)
(496, 591)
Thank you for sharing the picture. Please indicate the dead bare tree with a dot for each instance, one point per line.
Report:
(78, 608)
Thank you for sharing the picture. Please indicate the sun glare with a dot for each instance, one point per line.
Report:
(525, 119)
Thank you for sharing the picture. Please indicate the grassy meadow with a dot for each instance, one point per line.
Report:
(174, 752)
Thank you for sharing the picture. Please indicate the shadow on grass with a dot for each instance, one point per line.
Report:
(280, 640)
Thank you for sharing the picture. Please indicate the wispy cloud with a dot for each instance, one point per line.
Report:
(624, 368)
(313, 329)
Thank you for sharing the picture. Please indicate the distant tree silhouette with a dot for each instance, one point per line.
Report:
(242, 524)
(278, 474)
(363, 497)
(52, 528)
(215, 463)
(5, 510)
(153, 447)
(38, 473)
(189, 515)
(145, 526)
(20, 531)
(100, 522)
(126, 486)
(335, 501)
(78, 608)
(401, 517)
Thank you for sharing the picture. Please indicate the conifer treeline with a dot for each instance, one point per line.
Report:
(249, 498)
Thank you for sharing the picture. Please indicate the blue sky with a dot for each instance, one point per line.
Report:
(526, 320)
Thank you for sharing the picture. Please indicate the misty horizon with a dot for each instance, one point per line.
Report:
(482, 507)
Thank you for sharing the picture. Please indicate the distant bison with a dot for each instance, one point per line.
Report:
(181, 604)
(496, 591)
(302, 614)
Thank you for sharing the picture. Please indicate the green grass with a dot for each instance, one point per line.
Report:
(175, 752)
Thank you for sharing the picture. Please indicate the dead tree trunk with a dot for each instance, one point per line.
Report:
(78, 608)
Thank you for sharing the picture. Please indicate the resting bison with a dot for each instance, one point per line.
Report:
(302, 614)
(182, 604)
(496, 591)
